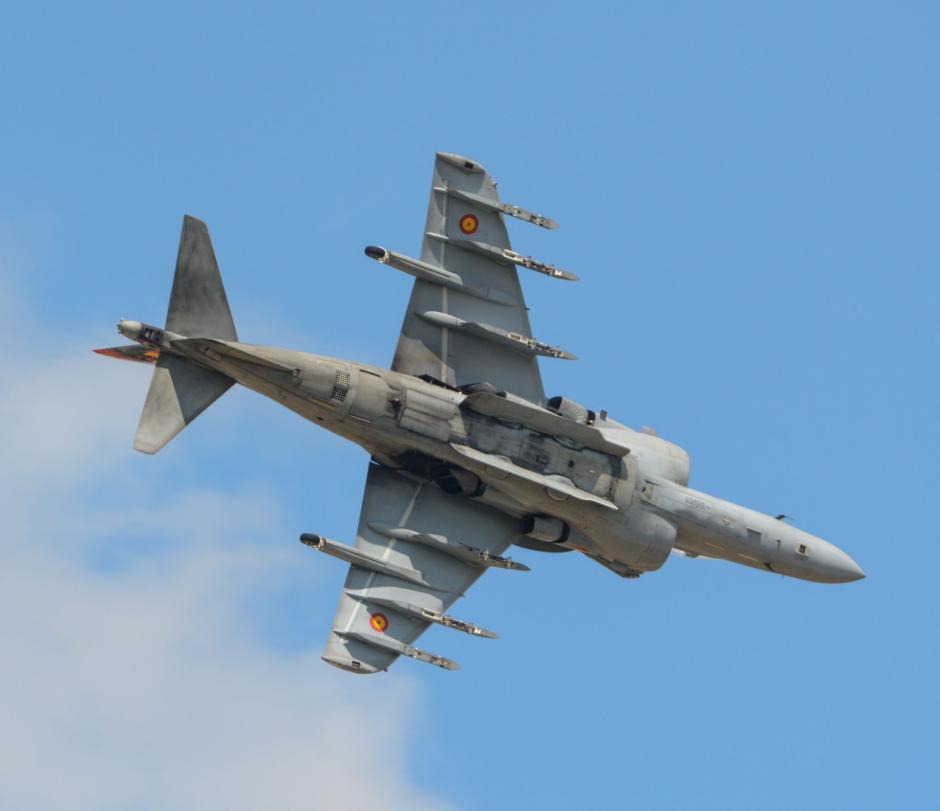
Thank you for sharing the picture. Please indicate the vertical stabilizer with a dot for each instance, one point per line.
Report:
(198, 304)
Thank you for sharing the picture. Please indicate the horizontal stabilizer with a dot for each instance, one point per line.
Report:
(179, 392)
(135, 352)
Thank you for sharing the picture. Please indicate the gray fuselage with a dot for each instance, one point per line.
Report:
(627, 509)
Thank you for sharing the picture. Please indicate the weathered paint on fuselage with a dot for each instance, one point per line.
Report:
(395, 416)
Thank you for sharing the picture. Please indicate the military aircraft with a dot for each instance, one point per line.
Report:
(468, 456)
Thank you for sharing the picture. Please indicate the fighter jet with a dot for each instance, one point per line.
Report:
(468, 456)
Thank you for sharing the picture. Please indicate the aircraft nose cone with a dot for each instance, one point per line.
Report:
(842, 569)
(853, 570)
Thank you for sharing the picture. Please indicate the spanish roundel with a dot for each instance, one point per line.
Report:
(469, 223)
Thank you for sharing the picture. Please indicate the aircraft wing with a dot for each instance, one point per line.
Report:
(417, 550)
(466, 320)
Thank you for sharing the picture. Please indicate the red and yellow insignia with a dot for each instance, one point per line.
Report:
(469, 223)
(141, 354)
(379, 622)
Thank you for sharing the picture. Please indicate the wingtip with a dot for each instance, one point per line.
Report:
(461, 162)
(352, 665)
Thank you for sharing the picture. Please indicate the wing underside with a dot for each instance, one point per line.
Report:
(477, 329)
(417, 550)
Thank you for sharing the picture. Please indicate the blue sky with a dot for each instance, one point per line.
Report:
(749, 194)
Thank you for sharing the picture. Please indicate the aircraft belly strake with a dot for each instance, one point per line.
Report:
(468, 456)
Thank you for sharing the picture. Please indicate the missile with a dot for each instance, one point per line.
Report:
(394, 646)
(488, 204)
(504, 256)
(364, 560)
(436, 275)
(514, 340)
(469, 554)
(424, 614)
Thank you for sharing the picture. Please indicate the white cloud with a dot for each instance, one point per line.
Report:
(143, 686)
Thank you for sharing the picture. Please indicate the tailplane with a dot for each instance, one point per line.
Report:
(179, 392)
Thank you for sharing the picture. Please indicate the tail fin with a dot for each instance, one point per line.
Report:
(198, 304)
(180, 391)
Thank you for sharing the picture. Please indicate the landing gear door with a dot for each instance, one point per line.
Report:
(761, 544)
